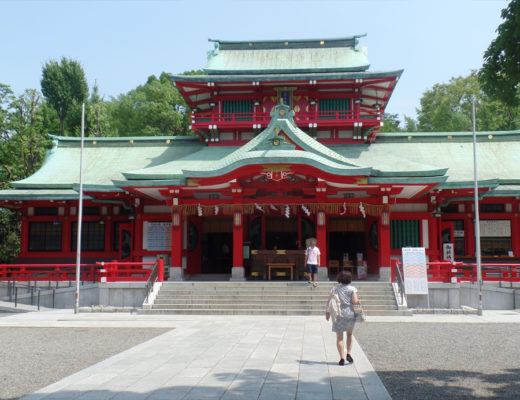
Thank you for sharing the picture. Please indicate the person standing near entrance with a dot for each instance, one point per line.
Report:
(344, 322)
(312, 260)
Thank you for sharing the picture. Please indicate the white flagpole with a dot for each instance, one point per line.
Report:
(80, 212)
(477, 216)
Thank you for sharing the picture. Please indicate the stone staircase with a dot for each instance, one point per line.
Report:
(265, 298)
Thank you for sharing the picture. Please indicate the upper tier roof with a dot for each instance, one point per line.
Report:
(287, 56)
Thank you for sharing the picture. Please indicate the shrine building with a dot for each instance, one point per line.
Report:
(287, 147)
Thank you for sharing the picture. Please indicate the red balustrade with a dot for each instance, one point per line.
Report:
(45, 272)
(446, 271)
(202, 119)
(113, 271)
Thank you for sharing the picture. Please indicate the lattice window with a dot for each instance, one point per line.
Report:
(405, 233)
(92, 236)
(45, 236)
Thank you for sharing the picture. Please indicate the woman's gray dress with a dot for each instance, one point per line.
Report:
(347, 319)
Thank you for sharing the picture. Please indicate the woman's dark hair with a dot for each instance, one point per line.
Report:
(344, 277)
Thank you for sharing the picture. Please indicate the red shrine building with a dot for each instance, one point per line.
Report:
(286, 148)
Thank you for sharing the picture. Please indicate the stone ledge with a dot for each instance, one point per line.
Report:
(107, 309)
(465, 310)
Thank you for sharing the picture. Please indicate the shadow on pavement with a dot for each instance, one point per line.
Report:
(247, 384)
(448, 384)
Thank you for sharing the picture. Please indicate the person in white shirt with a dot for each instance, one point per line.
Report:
(312, 260)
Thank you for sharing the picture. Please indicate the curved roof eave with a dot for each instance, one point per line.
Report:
(252, 159)
(285, 77)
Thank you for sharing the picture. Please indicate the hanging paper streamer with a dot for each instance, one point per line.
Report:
(273, 207)
(259, 208)
(199, 210)
(287, 211)
(217, 209)
(344, 209)
(362, 209)
(306, 210)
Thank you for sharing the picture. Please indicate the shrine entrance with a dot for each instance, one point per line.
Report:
(347, 238)
(217, 245)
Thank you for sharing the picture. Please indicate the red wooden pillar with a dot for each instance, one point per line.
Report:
(384, 246)
(515, 233)
(321, 237)
(469, 235)
(433, 239)
(238, 272)
(176, 261)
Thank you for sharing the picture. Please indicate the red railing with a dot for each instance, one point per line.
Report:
(263, 118)
(446, 271)
(113, 271)
(118, 271)
(45, 272)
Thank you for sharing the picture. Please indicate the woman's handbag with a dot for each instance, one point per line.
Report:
(359, 314)
(334, 307)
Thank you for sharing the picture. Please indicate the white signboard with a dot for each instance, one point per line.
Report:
(495, 228)
(448, 252)
(414, 270)
(157, 236)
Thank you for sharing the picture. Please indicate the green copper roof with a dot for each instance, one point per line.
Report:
(113, 163)
(264, 76)
(287, 56)
(39, 194)
(104, 160)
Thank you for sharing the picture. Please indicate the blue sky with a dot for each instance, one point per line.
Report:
(121, 43)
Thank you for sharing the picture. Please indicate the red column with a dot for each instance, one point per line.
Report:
(469, 235)
(176, 262)
(515, 233)
(238, 239)
(433, 238)
(321, 236)
(384, 246)
(238, 270)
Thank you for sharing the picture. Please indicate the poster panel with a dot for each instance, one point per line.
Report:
(414, 270)
(157, 236)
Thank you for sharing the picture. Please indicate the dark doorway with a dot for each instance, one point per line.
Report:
(217, 246)
(346, 236)
(281, 234)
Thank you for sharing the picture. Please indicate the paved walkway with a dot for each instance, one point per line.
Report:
(217, 357)
(225, 357)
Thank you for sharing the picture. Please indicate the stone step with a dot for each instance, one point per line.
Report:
(254, 305)
(244, 297)
(205, 311)
(264, 298)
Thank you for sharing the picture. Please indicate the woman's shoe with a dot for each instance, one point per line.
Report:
(341, 362)
(349, 358)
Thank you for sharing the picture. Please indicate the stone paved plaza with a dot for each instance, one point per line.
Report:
(230, 357)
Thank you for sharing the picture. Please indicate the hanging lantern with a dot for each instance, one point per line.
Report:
(199, 210)
(287, 211)
(237, 219)
(321, 218)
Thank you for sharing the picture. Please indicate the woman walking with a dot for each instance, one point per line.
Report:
(346, 320)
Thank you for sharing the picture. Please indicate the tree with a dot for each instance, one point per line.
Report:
(64, 85)
(97, 117)
(391, 123)
(155, 108)
(500, 73)
(23, 141)
(447, 107)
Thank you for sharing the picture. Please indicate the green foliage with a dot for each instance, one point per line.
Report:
(23, 142)
(448, 108)
(9, 236)
(64, 86)
(153, 109)
(391, 123)
(500, 73)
